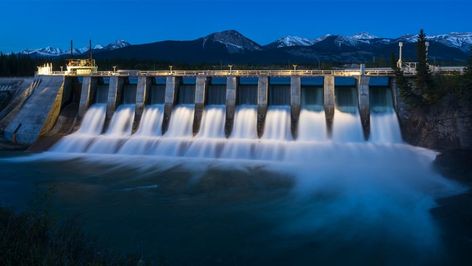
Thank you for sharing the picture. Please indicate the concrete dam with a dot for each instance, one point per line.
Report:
(269, 115)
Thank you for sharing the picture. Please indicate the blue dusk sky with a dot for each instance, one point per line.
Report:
(27, 24)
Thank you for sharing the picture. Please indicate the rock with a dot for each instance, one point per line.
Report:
(442, 126)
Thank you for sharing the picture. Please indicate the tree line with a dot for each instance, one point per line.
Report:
(427, 89)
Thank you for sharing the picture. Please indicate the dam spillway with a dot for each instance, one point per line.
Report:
(259, 118)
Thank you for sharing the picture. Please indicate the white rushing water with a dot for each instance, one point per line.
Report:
(150, 128)
(213, 122)
(181, 121)
(384, 128)
(245, 122)
(151, 121)
(179, 133)
(119, 129)
(312, 126)
(276, 142)
(277, 124)
(347, 127)
(91, 126)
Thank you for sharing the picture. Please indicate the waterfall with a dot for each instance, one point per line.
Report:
(384, 128)
(119, 129)
(277, 124)
(244, 129)
(213, 122)
(312, 126)
(92, 126)
(212, 127)
(151, 121)
(179, 134)
(245, 122)
(276, 142)
(181, 121)
(347, 127)
(145, 138)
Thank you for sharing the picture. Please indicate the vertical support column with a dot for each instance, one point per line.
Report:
(329, 104)
(89, 85)
(262, 98)
(295, 92)
(232, 84)
(201, 86)
(364, 106)
(142, 91)
(395, 92)
(172, 85)
(114, 94)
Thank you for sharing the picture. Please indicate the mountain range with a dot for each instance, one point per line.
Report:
(232, 47)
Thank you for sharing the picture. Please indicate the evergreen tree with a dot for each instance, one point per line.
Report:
(424, 81)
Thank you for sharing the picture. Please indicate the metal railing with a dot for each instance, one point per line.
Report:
(408, 71)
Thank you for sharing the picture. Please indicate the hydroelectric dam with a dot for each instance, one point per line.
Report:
(227, 114)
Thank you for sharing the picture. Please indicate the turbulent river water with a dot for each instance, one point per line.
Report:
(206, 199)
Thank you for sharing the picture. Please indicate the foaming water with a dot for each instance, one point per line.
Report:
(277, 123)
(213, 122)
(347, 127)
(384, 128)
(119, 129)
(181, 122)
(312, 126)
(151, 121)
(148, 131)
(122, 121)
(179, 134)
(92, 125)
(245, 122)
(93, 120)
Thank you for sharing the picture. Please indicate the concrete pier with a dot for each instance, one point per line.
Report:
(295, 104)
(172, 85)
(201, 86)
(89, 85)
(364, 105)
(262, 99)
(232, 84)
(142, 92)
(329, 103)
(115, 91)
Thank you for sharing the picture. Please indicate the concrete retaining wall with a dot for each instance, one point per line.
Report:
(142, 92)
(172, 85)
(232, 84)
(115, 91)
(89, 84)
(364, 105)
(201, 87)
(39, 113)
(295, 104)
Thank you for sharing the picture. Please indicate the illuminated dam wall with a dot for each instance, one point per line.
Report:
(223, 107)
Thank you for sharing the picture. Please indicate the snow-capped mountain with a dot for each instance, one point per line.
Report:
(289, 41)
(53, 51)
(234, 41)
(461, 40)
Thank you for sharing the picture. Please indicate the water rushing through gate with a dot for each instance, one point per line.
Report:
(276, 142)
